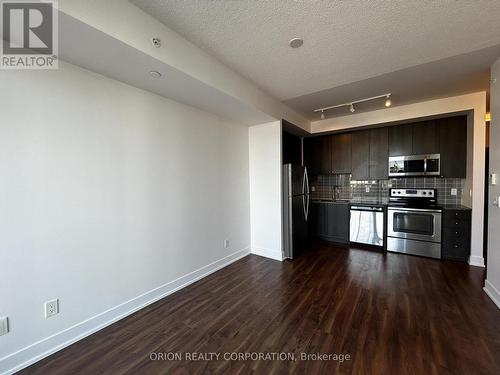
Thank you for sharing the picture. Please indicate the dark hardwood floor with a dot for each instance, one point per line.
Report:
(393, 314)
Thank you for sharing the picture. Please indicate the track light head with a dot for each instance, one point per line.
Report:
(388, 101)
(322, 115)
(351, 108)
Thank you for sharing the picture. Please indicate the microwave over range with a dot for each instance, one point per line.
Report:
(415, 165)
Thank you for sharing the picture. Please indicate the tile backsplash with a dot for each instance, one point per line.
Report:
(323, 186)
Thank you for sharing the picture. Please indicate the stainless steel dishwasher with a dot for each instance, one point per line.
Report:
(367, 225)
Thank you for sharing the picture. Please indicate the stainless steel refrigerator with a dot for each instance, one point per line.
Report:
(295, 210)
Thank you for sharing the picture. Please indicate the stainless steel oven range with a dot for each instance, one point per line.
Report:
(414, 222)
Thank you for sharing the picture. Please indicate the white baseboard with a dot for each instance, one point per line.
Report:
(476, 261)
(268, 253)
(23, 358)
(492, 292)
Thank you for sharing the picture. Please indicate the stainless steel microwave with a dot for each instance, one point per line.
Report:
(415, 165)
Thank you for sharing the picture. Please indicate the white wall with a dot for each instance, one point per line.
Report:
(265, 189)
(492, 283)
(110, 197)
(474, 184)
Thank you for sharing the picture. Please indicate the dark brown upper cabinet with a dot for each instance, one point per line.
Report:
(360, 142)
(414, 139)
(453, 146)
(379, 154)
(326, 154)
(370, 154)
(365, 153)
(400, 140)
(318, 155)
(291, 149)
(341, 155)
(312, 155)
(425, 136)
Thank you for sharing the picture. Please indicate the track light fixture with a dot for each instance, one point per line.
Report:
(387, 103)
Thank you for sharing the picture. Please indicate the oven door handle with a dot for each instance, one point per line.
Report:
(410, 210)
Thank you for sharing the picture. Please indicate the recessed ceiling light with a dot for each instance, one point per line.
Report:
(155, 74)
(296, 42)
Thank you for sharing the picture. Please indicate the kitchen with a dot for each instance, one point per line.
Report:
(390, 187)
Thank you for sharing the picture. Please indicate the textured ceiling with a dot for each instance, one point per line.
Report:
(344, 41)
(452, 76)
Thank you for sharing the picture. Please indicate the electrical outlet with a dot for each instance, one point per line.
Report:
(4, 325)
(367, 188)
(313, 188)
(51, 308)
(493, 179)
(496, 202)
(453, 191)
(226, 244)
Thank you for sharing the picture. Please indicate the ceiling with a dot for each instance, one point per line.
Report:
(351, 49)
(124, 63)
(452, 76)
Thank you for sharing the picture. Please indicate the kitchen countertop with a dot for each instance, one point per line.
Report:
(356, 202)
(381, 203)
(369, 202)
(454, 207)
(338, 201)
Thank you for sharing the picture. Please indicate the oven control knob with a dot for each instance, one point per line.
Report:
(424, 193)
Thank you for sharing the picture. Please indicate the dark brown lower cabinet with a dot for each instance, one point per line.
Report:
(330, 221)
(455, 244)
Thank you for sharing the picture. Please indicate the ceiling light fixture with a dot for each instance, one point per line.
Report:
(387, 97)
(296, 42)
(155, 74)
(322, 115)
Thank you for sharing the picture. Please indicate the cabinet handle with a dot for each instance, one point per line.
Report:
(456, 232)
(456, 222)
(456, 213)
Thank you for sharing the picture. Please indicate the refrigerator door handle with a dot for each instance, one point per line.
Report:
(304, 206)
(306, 179)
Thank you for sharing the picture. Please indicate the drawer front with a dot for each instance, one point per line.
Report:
(450, 216)
(456, 250)
(453, 224)
(459, 232)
